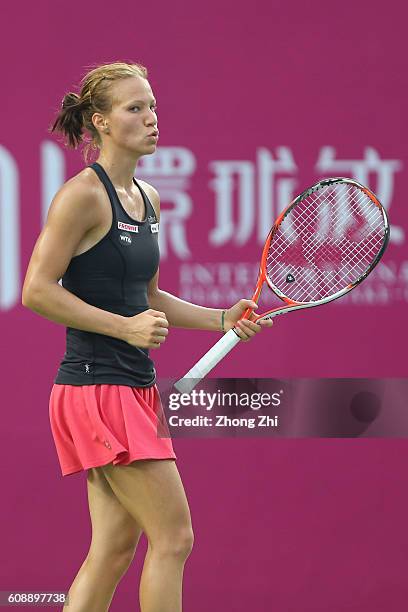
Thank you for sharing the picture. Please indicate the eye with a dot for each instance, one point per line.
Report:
(154, 108)
(133, 107)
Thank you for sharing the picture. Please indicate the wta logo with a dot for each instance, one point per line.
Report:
(125, 239)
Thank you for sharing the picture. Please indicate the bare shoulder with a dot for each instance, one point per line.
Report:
(152, 194)
(79, 195)
(85, 184)
(75, 211)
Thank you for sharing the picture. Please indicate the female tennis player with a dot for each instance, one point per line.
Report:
(100, 238)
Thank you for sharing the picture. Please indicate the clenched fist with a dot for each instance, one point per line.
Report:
(147, 329)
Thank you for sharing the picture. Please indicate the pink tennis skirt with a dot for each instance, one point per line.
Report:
(94, 425)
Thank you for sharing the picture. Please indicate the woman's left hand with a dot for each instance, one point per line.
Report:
(245, 328)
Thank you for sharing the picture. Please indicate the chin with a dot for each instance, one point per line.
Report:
(151, 149)
(146, 150)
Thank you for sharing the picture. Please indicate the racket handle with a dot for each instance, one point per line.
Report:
(207, 362)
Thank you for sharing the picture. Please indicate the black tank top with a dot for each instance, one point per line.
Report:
(112, 275)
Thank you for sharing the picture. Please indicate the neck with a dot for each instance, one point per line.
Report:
(120, 169)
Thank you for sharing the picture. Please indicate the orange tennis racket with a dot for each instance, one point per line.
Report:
(321, 246)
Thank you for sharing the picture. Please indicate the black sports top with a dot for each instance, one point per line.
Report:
(112, 275)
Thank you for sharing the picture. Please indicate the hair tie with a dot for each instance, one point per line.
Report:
(71, 101)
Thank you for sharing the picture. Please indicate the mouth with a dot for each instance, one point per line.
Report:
(154, 134)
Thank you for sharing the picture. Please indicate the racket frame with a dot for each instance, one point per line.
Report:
(263, 276)
(231, 338)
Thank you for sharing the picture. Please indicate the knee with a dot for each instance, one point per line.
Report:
(178, 543)
(184, 542)
(114, 562)
(121, 561)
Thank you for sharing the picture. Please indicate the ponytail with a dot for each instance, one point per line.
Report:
(70, 119)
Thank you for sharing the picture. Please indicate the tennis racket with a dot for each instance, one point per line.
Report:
(321, 246)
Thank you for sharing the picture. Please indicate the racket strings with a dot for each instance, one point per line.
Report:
(309, 217)
(373, 222)
(362, 256)
(370, 211)
(325, 242)
(315, 286)
(314, 245)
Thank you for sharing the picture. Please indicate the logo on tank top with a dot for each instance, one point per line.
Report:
(127, 227)
(154, 228)
(125, 238)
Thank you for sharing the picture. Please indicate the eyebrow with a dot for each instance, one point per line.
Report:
(152, 101)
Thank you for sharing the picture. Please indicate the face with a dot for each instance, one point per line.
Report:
(132, 122)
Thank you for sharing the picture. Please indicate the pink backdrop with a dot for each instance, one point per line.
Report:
(256, 102)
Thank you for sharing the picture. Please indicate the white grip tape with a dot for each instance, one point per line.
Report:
(207, 362)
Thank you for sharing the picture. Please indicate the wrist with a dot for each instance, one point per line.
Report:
(119, 327)
(216, 320)
(223, 312)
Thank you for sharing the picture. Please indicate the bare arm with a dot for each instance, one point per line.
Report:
(75, 211)
(184, 314)
(180, 313)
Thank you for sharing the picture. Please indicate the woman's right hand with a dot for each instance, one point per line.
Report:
(147, 329)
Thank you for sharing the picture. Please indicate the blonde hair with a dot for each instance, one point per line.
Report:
(75, 115)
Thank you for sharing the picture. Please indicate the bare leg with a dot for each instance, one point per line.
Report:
(115, 535)
(152, 492)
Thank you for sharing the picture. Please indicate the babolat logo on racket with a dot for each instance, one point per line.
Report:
(290, 278)
(127, 227)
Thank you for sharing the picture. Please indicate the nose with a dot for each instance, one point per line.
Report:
(151, 117)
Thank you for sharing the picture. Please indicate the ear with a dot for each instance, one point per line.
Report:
(99, 122)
